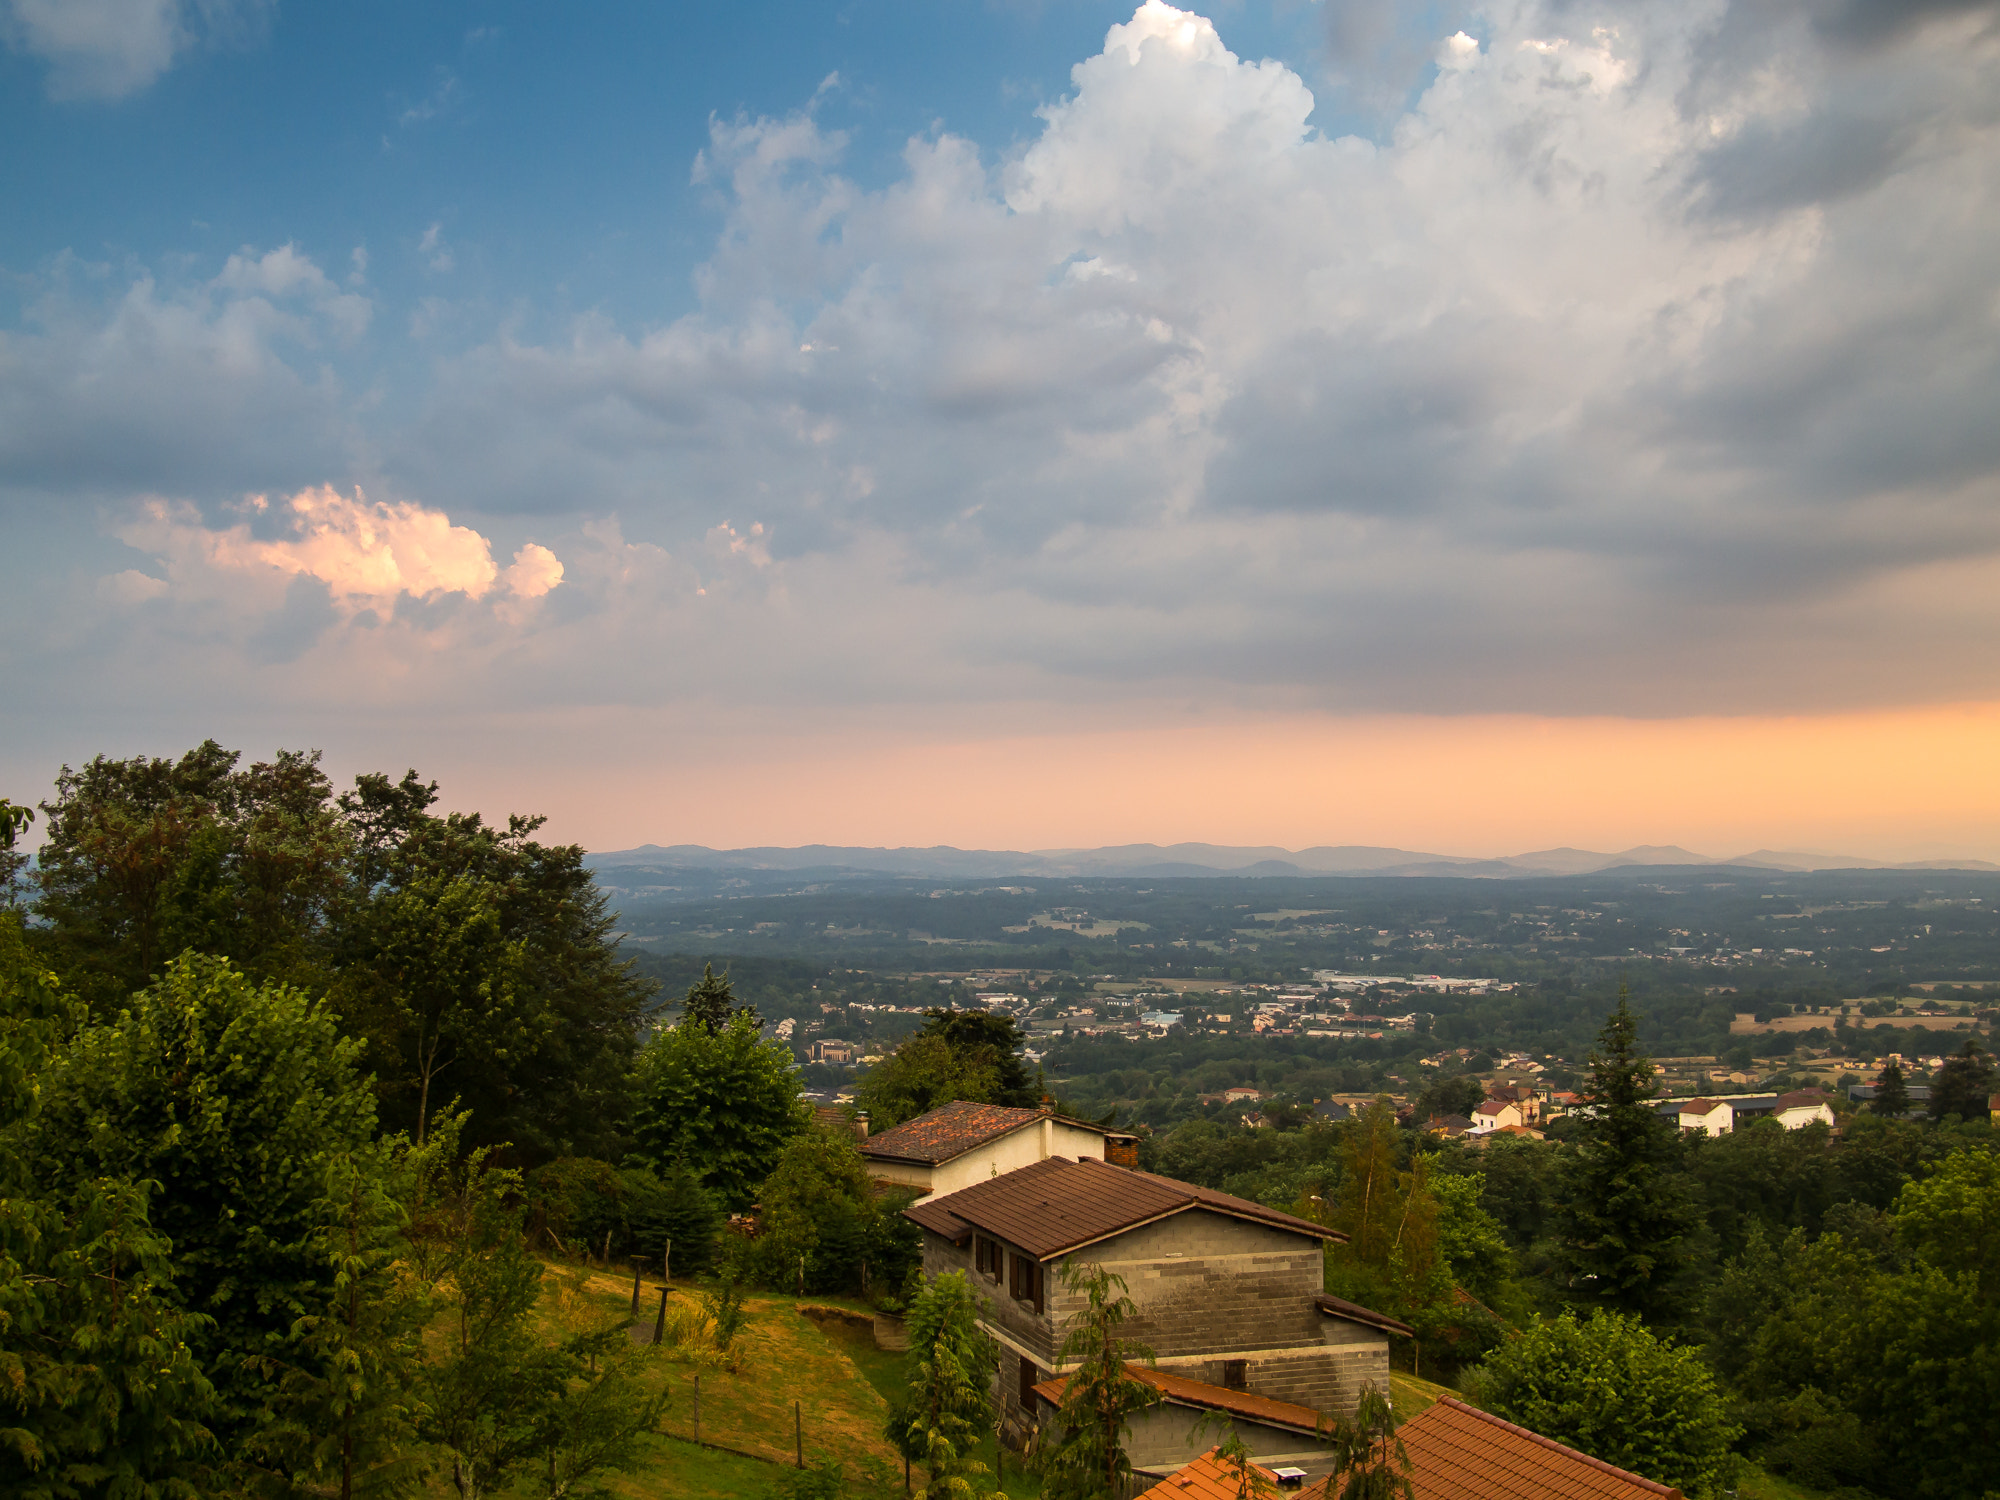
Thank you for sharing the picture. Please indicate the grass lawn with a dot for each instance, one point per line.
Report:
(1754, 1484)
(1409, 1395)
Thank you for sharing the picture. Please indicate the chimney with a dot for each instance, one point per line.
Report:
(861, 1124)
(1122, 1150)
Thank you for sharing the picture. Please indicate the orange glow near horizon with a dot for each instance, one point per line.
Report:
(1890, 785)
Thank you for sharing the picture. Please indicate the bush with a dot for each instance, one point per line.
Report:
(580, 1201)
(1608, 1387)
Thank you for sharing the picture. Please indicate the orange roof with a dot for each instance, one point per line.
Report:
(1702, 1106)
(1206, 1478)
(1201, 1393)
(1458, 1452)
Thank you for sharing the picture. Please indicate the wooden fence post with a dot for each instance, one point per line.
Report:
(660, 1323)
(667, 1262)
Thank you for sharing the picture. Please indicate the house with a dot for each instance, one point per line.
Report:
(832, 1051)
(1209, 1478)
(1160, 1440)
(1523, 1097)
(961, 1143)
(1709, 1116)
(1229, 1293)
(1450, 1127)
(1241, 1096)
(1333, 1111)
(1802, 1107)
(1493, 1114)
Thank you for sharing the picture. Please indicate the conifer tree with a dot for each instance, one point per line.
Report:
(1892, 1095)
(1088, 1460)
(948, 1409)
(1625, 1215)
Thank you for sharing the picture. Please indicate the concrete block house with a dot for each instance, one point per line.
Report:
(1230, 1296)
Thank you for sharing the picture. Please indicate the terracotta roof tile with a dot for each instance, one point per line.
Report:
(1458, 1452)
(1210, 1397)
(954, 1129)
(1059, 1204)
(1206, 1478)
(1701, 1106)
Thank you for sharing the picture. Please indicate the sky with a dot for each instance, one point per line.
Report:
(1018, 423)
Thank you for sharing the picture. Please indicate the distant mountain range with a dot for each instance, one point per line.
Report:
(1151, 861)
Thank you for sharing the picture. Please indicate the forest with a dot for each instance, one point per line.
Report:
(323, 1106)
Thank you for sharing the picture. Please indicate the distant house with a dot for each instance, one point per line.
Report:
(1523, 1097)
(1709, 1116)
(1241, 1096)
(1495, 1113)
(832, 1051)
(1333, 1110)
(1802, 1107)
(961, 1143)
(1450, 1127)
(1230, 1294)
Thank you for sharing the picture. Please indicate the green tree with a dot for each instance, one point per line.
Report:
(1368, 1458)
(949, 1408)
(819, 1207)
(1963, 1085)
(232, 1097)
(1087, 1459)
(711, 1001)
(998, 1036)
(146, 857)
(724, 1103)
(1608, 1387)
(100, 1389)
(1626, 1212)
(1450, 1096)
(1371, 1202)
(923, 1073)
(527, 987)
(1471, 1242)
(1892, 1094)
(14, 822)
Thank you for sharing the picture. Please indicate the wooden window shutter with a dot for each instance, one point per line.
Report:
(1035, 1275)
(1028, 1374)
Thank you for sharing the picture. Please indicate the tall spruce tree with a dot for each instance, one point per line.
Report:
(1892, 1094)
(1626, 1212)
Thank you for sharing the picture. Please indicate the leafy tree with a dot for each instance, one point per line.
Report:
(819, 1207)
(1369, 1460)
(146, 857)
(100, 1389)
(1963, 1085)
(981, 1031)
(724, 1103)
(14, 822)
(1371, 1203)
(526, 987)
(1471, 1242)
(232, 1097)
(949, 1408)
(1892, 1094)
(923, 1073)
(1626, 1213)
(1087, 1461)
(1608, 1387)
(1450, 1096)
(710, 1002)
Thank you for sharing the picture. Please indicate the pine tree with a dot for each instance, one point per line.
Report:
(1963, 1085)
(1892, 1095)
(1626, 1214)
(949, 1408)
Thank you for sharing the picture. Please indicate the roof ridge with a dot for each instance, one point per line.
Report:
(1452, 1403)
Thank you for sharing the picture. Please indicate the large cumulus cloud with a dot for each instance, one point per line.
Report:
(1647, 364)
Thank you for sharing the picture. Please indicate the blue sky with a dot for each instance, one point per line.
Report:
(505, 388)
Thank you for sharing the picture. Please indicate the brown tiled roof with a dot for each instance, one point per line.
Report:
(1701, 1106)
(1206, 1478)
(1340, 1307)
(1800, 1099)
(954, 1129)
(1494, 1106)
(1201, 1393)
(1059, 1204)
(1458, 1452)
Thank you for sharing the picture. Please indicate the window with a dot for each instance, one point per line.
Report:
(1024, 1281)
(1029, 1375)
(986, 1257)
(1236, 1373)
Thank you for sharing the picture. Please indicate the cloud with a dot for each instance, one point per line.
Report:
(214, 385)
(1646, 365)
(369, 555)
(108, 49)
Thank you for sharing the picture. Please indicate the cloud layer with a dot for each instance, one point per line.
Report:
(1647, 365)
